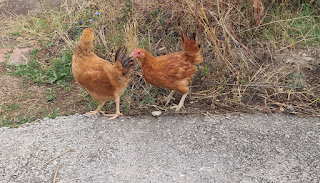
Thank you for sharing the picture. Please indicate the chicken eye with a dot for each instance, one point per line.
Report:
(138, 52)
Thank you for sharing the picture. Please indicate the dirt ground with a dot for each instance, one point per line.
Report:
(22, 7)
(21, 100)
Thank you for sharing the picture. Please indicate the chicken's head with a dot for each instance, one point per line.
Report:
(138, 53)
(88, 34)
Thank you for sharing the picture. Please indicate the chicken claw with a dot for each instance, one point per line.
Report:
(169, 97)
(94, 112)
(177, 107)
(113, 116)
(181, 103)
(118, 113)
(97, 111)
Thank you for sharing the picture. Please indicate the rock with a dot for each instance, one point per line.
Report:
(156, 113)
(19, 56)
(307, 58)
(289, 60)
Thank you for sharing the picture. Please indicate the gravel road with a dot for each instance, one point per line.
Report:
(236, 148)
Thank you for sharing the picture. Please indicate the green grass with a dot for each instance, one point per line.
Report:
(58, 72)
(297, 79)
(150, 95)
(4, 121)
(298, 27)
(50, 97)
(12, 107)
(52, 115)
(7, 56)
(16, 34)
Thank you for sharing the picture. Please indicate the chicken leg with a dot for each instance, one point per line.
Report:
(118, 113)
(169, 97)
(98, 110)
(181, 103)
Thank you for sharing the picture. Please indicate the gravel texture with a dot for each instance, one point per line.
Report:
(221, 149)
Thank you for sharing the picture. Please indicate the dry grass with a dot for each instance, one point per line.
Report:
(240, 71)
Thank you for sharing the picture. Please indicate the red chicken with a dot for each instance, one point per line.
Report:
(172, 71)
(101, 79)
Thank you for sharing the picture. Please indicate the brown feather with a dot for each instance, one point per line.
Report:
(174, 70)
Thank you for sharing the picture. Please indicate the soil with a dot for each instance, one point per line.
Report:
(23, 101)
(22, 7)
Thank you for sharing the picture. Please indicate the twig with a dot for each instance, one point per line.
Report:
(158, 107)
(290, 45)
(25, 59)
(290, 19)
(236, 42)
(252, 85)
(55, 174)
(40, 166)
(197, 18)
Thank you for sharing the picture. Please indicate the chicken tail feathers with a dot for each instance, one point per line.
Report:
(191, 48)
(125, 60)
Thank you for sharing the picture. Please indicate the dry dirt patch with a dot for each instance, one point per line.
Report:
(16, 56)
(303, 58)
(19, 102)
(22, 7)
(22, 101)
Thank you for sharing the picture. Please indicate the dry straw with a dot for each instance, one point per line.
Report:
(239, 73)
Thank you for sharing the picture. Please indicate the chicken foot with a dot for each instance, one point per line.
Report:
(169, 97)
(98, 110)
(181, 103)
(118, 113)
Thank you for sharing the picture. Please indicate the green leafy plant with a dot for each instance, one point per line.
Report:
(297, 79)
(59, 71)
(12, 107)
(50, 97)
(205, 72)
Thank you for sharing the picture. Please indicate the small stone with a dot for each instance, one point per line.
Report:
(19, 56)
(156, 113)
(307, 58)
(304, 54)
(290, 61)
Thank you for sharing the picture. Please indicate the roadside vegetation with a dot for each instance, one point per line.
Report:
(246, 47)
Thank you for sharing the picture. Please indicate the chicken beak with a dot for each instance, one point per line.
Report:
(132, 55)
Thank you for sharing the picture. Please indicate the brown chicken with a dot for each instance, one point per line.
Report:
(102, 80)
(172, 71)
